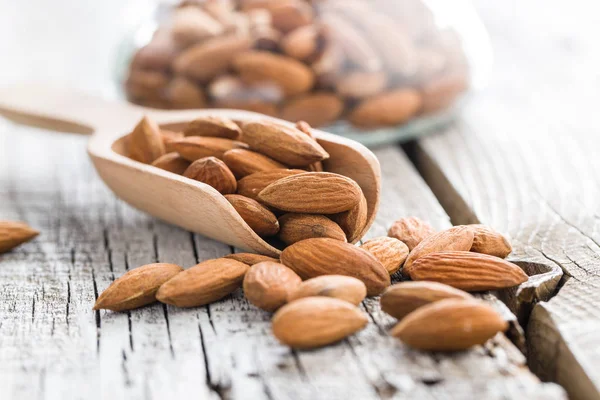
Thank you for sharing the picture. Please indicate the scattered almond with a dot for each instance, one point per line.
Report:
(213, 126)
(341, 287)
(297, 227)
(390, 252)
(411, 231)
(258, 217)
(488, 241)
(267, 284)
(13, 234)
(172, 162)
(213, 172)
(250, 258)
(245, 162)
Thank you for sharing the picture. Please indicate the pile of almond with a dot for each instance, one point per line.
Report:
(316, 286)
(371, 63)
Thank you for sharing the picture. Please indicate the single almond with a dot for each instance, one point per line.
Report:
(390, 252)
(450, 325)
(391, 108)
(411, 231)
(297, 227)
(193, 148)
(318, 108)
(302, 43)
(304, 127)
(245, 162)
(402, 298)
(13, 234)
(184, 93)
(312, 193)
(361, 84)
(203, 283)
(213, 126)
(473, 272)
(250, 258)
(258, 217)
(341, 287)
(169, 137)
(316, 321)
(354, 220)
(283, 143)
(136, 288)
(146, 84)
(290, 15)
(458, 238)
(267, 284)
(172, 162)
(488, 241)
(145, 142)
(251, 185)
(213, 172)
(156, 55)
(323, 256)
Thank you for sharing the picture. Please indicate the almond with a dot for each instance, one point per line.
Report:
(323, 256)
(203, 283)
(450, 325)
(145, 84)
(488, 241)
(456, 238)
(213, 172)
(304, 127)
(341, 287)
(390, 252)
(360, 84)
(145, 142)
(354, 220)
(318, 108)
(258, 217)
(250, 258)
(321, 193)
(282, 143)
(172, 162)
(251, 185)
(403, 298)
(184, 93)
(267, 284)
(245, 162)
(301, 43)
(156, 55)
(391, 108)
(190, 24)
(411, 231)
(297, 227)
(290, 15)
(316, 321)
(213, 126)
(136, 288)
(195, 147)
(468, 271)
(169, 137)
(13, 234)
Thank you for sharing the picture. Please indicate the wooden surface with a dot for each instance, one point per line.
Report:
(520, 159)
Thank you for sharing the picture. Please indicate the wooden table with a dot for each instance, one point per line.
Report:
(521, 159)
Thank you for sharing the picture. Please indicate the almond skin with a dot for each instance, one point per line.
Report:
(245, 162)
(213, 172)
(297, 227)
(267, 285)
(282, 143)
(250, 258)
(172, 162)
(316, 321)
(488, 241)
(401, 299)
(354, 220)
(204, 283)
(341, 287)
(136, 288)
(251, 185)
(312, 193)
(318, 108)
(13, 234)
(258, 217)
(323, 256)
(458, 238)
(390, 252)
(386, 109)
(145, 142)
(468, 271)
(411, 231)
(193, 148)
(450, 325)
(214, 127)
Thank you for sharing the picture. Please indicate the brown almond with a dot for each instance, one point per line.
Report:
(204, 283)
(316, 321)
(391, 108)
(390, 252)
(136, 288)
(169, 137)
(251, 185)
(323, 256)
(172, 162)
(341, 287)
(145, 142)
(304, 127)
(318, 108)
(301, 43)
(312, 193)
(456, 238)
(190, 24)
(258, 217)
(411, 231)
(354, 220)
(361, 84)
(195, 147)
(156, 55)
(296, 227)
(282, 143)
(290, 15)
(213, 172)
(213, 126)
(402, 298)
(489, 241)
(184, 93)
(146, 84)
(245, 162)
(267, 285)
(250, 258)
(473, 272)
(450, 325)
(13, 234)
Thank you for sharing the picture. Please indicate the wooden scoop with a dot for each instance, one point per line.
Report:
(179, 200)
